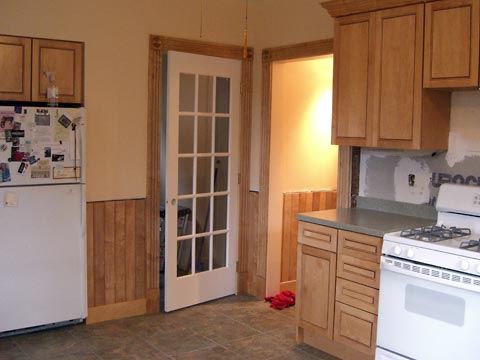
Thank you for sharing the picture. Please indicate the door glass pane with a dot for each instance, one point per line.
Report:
(185, 134)
(204, 138)
(203, 215)
(223, 96)
(204, 174)
(220, 212)
(221, 173)
(219, 251)
(221, 134)
(184, 217)
(205, 93)
(187, 92)
(202, 259)
(184, 257)
(185, 176)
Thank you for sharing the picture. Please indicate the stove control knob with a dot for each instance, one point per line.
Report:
(397, 250)
(464, 265)
(410, 253)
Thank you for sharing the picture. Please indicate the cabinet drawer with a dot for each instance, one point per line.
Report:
(360, 246)
(358, 270)
(356, 295)
(355, 328)
(318, 236)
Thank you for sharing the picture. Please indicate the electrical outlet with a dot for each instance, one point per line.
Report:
(411, 179)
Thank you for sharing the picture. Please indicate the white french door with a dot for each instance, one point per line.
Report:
(203, 114)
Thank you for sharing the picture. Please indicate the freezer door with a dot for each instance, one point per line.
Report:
(36, 149)
(42, 256)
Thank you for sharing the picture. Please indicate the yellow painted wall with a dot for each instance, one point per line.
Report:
(116, 33)
(301, 157)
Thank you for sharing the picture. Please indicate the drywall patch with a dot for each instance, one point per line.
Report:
(377, 175)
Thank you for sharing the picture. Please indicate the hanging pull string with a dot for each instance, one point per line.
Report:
(245, 32)
(201, 17)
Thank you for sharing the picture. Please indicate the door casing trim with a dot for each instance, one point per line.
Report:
(158, 47)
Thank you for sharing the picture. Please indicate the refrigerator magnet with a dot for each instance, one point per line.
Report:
(23, 168)
(40, 172)
(69, 172)
(65, 121)
(58, 157)
(5, 172)
(48, 152)
(42, 119)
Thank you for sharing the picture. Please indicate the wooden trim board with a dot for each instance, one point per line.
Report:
(159, 46)
(116, 311)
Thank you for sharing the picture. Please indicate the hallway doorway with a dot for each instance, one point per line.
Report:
(303, 163)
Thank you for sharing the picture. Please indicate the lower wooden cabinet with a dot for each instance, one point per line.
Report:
(337, 292)
(316, 289)
(355, 328)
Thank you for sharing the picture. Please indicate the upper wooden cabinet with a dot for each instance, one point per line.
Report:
(24, 63)
(353, 80)
(451, 44)
(63, 58)
(379, 100)
(15, 64)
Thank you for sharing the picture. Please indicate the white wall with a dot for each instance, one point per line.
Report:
(116, 34)
(301, 157)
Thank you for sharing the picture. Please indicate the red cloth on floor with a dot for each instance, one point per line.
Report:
(281, 301)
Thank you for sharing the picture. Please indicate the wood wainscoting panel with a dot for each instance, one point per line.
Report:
(116, 258)
(293, 203)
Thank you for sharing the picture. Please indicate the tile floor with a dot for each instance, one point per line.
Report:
(236, 327)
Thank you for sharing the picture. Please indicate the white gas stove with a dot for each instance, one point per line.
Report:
(429, 304)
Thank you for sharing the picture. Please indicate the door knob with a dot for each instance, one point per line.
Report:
(174, 202)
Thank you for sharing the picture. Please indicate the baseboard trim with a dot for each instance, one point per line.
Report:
(116, 311)
(289, 285)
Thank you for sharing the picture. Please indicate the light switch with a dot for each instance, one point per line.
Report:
(11, 199)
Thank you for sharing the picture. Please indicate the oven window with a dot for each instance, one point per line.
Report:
(435, 304)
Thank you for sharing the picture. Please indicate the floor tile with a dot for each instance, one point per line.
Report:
(226, 330)
(211, 353)
(235, 327)
(139, 351)
(178, 342)
(258, 347)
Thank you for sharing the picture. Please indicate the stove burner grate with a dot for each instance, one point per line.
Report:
(473, 245)
(435, 233)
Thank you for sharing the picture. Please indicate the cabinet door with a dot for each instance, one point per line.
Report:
(63, 58)
(316, 290)
(451, 44)
(398, 84)
(15, 68)
(355, 328)
(353, 80)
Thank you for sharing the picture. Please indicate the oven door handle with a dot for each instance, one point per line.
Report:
(430, 273)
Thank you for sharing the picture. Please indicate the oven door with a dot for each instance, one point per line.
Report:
(426, 313)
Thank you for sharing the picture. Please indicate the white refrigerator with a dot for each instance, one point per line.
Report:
(42, 218)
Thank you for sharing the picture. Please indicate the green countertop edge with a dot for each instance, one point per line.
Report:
(369, 220)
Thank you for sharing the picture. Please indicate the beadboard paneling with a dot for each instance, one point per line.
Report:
(116, 265)
(293, 203)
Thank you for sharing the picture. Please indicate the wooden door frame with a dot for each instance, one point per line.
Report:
(269, 56)
(158, 47)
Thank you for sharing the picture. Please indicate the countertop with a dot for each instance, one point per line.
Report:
(364, 221)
